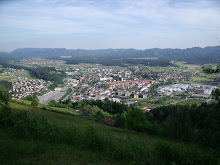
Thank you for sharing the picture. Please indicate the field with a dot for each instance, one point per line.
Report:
(164, 103)
(13, 75)
(1, 67)
(24, 74)
(83, 65)
(6, 77)
(202, 78)
(190, 102)
(145, 148)
(170, 101)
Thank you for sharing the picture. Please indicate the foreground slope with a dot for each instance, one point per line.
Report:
(44, 137)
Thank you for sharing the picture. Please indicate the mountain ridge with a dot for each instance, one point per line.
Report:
(191, 55)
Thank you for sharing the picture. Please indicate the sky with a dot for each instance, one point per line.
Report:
(102, 24)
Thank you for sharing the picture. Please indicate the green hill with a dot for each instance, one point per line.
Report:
(31, 135)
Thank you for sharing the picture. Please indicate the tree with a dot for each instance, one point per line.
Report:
(34, 101)
(4, 96)
(120, 120)
(216, 94)
(6, 84)
(99, 116)
(137, 120)
(180, 125)
(210, 70)
(53, 103)
(29, 98)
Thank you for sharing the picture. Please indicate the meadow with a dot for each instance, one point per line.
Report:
(30, 135)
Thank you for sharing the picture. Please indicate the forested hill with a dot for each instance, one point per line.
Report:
(190, 55)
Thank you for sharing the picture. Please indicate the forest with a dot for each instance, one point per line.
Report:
(48, 74)
(197, 124)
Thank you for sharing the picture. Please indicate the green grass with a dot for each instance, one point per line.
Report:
(54, 109)
(168, 101)
(6, 77)
(196, 82)
(23, 151)
(99, 144)
(210, 76)
(190, 102)
(65, 110)
(24, 74)
(83, 65)
(200, 78)
(61, 119)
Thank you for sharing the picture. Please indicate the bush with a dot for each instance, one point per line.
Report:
(5, 117)
(91, 139)
(167, 154)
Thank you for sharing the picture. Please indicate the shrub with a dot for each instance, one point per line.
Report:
(93, 140)
(171, 154)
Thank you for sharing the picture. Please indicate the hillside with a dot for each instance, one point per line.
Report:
(191, 55)
(34, 136)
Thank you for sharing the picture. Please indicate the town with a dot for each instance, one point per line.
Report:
(121, 84)
(22, 89)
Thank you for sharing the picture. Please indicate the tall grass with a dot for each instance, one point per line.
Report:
(118, 150)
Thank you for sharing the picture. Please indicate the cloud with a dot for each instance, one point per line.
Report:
(126, 12)
(128, 20)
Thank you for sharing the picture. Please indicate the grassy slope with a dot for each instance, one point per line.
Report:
(67, 120)
(40, 152)
(24, 74)
(21, 151)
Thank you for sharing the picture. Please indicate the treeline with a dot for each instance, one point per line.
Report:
(109, 61)
(6, 84)
(197, 124)
(4, 95)
(106, 105)
(14, 66)
(34, 100)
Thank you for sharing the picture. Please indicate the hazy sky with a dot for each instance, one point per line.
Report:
(98, 24)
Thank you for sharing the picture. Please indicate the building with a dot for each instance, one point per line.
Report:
(135, 96)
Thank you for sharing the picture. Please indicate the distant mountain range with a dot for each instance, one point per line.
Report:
(190, 55)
